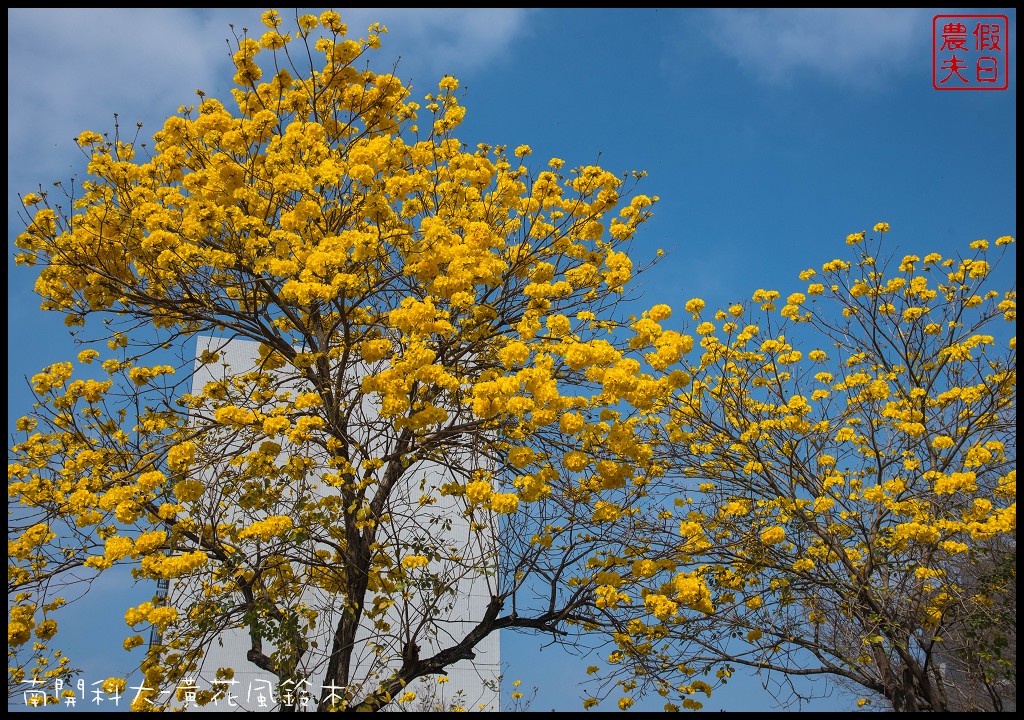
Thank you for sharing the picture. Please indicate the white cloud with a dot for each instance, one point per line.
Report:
(433, 42)
(71, 70)
(854, 46)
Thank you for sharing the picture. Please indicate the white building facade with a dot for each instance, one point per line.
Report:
(436, 623)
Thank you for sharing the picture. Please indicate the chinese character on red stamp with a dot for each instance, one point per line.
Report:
(970, 52)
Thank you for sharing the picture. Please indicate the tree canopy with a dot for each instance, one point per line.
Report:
(416, 304)
(851, 458)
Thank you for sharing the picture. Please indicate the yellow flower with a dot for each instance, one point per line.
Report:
(571, 423)
(308, 400)
(267, 529)
(606, 512)
(660, 606)
(114, 685)
(478, 491)
(89, 138)
(181, 456)
(504, 503)
(274, 426)
(188, 490)
(46, 629)
(411, 562)
(272, 40)
(660, 312)
(134, 616)
(271, 19)
(332, 21)
(882, 227)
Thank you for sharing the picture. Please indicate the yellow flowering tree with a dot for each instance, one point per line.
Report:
(433, 324)
(849, 454)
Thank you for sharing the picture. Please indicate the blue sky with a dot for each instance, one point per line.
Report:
(769, 135)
